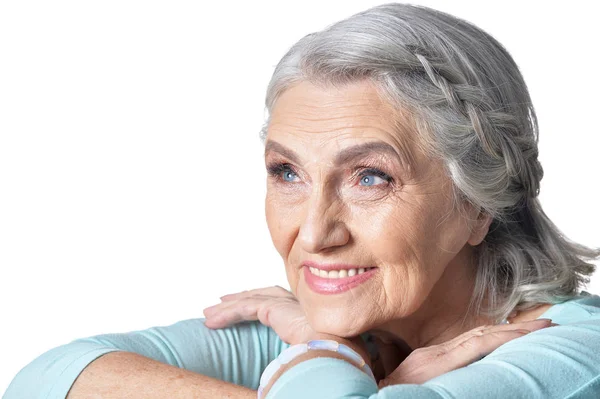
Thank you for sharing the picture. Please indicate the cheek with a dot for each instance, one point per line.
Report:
(276, 224)
(414, 243)
(403, 247)
(424, 232)
(271, 215)
(283, 211)
(395, 233)
(283, 227)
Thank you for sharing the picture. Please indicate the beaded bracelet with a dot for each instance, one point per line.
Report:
(318, 344)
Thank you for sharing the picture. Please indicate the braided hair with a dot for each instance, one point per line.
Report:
(472, 110)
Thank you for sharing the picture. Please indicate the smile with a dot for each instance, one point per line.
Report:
(338, 273)
(336, 281)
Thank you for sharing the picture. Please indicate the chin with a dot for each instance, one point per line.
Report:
(329, 322)
(328, 318)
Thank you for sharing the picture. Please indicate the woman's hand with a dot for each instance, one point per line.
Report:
(279, 309)
(426, 363)
(274, 306)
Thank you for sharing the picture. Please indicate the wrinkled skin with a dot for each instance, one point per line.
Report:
(403, 222)
(409, 227)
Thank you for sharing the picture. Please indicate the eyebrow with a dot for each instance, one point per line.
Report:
(345, 155)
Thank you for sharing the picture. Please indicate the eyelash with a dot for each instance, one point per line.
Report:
(276, 169)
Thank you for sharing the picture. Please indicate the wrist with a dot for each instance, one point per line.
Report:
(320, 345)
(356, 343)
(302, 358)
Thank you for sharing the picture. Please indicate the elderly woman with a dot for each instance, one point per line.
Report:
(401, 149)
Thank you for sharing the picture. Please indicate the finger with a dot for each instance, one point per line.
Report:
(220, 307)
(223, 320)
(234, 295)
(465, 349)
(211, 310)
(217, 315)
(462, 355)
(208, 311)
(228, 313)
(477, 347)
(530, 326)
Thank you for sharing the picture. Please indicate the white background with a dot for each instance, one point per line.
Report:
(131, 174)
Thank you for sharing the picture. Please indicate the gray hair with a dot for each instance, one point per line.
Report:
(472, 109)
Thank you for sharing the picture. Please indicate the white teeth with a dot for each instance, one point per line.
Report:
(338, 273)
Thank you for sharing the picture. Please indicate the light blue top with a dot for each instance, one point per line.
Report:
(556, 362)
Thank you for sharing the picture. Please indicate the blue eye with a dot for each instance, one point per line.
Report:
(369, 180)
(368, 177)
(282, 171)
(374, 177)
(288, 175)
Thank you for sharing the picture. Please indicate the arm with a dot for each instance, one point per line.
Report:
(129, 375)
(557, 362)
(235, 355)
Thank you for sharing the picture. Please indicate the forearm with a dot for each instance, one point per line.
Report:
(128, 376)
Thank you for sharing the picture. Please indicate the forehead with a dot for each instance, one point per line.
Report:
(327, 119)
(309, 108)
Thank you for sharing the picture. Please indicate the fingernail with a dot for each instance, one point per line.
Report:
(542, 320)
(523, 331)
(554, 325)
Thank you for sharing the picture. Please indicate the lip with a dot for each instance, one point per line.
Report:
(328, 286)
(333, 266)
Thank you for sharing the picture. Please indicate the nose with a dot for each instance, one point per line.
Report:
(322, 227)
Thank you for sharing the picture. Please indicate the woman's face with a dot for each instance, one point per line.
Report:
(345, 186)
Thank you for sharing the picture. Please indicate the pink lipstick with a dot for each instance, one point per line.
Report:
(329, 286)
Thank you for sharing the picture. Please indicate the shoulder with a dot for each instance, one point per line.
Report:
(574, 343)
(578, 320)
(584, 307)
(554, 362)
